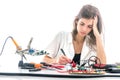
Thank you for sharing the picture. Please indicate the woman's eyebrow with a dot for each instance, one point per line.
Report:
(82, 22)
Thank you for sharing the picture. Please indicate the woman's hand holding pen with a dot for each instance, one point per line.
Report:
(63, 60)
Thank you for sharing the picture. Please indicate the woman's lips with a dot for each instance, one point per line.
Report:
(83, 33)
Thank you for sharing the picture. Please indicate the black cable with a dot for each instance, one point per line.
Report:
(96, 61)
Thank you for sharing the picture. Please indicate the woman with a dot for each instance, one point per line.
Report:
(83, 42)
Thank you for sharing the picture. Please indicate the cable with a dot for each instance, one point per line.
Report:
(95, 61)
(17, 46)
(4, 45)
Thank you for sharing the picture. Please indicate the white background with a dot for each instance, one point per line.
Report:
(43, 19)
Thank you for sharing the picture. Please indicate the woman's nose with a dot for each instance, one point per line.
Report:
(84, 28)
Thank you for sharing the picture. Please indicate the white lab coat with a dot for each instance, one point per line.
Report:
(63, 40)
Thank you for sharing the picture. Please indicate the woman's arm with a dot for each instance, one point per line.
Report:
(53, 50)
(61, 60)
(49, 60)
(99, 45)
(100, 50)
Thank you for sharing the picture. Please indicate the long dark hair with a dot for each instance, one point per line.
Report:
(88, 12)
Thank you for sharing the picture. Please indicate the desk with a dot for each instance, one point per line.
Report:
(14, 73)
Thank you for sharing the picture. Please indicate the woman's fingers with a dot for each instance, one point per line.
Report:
(95, 30)
(64, 60)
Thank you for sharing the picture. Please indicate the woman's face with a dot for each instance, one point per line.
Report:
(84, 26)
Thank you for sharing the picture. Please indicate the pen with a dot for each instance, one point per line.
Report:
(65, 55)
(63, 52)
